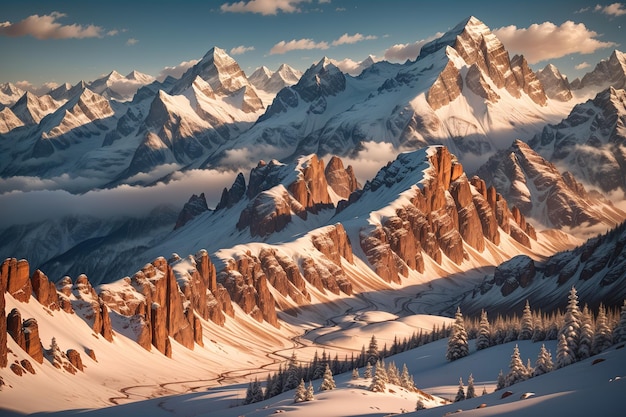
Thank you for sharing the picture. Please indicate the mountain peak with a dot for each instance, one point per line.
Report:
(473, 27)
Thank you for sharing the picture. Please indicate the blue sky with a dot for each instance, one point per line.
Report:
(66, 41)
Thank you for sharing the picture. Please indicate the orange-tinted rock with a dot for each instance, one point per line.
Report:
(107, 329)
(31, 340)
(3, 323)
(342, 181)
(385, 262)
(16, 274)
(45, 291)
(334, 243)
(159, 327)
(17, 369)
(528, 80)
(91, 354)
(197, 331)
(27, 366)
(14, 328)
(446, 88)
(74, 357)
(470, 226)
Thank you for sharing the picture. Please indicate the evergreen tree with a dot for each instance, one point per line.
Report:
(484, 390)
(517, 370)
(368, 371)
(483, 340)
(552, 332)
(378, 381)
(544, 362)
(529, 369)
(269, 386)
(310, 395)
(619, 334)
(526, 326)
(393, 376)
(405, 378)
(564, 356)
(471, 391)
(586, 334)
(501, 381)
(300, 394)
(539, 333)
(420, 405)
(248, 399)
(460, 394)
(457, 343)
(571, 326)
(328, 382)
(602, 338)
(293, 374)
(355, 373)
(372, 351)
(254, 393)
(380, 368)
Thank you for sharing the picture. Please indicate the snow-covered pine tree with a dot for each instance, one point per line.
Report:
(483, 340)
(529, 369)
(526, 326)
(517, 370)
(293, 373)
(405, 378)
(544, 364)
(602, 338)
(457, 343)
(372, 351)
(383, 370)
(539, 333)
(586, 334)
(368, 371)
(501, 381)
(310, 395)
(471, 391)
(393, 376)
(355, 373)
(257, 391)
(571, 325)
(328, 382)
(300, 394)
(564, 356)
(248, 399)
(378, 381)
(460, 394)
(484, 390)
(619, 334)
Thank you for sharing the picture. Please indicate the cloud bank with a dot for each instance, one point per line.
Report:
(402, 51)
(47, 27)
(540, 42)
(614, 10)
(264, 7)
(176, 71)
(307, 44)
(241, 49)
(42, 199)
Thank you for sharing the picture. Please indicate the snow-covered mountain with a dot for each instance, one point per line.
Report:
(463, 91)
(610, 72)
(595, 268)
(264, 79)
(115, 86)
(555, 84)
(9, 94)
(541, 192)
(590, 142)
(31, 109)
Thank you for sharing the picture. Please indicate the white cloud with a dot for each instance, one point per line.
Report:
(370, 159)
(350, 39)
(264, 7)
(350, 66)
(293, 45)
(582, 65)
(403, 51)
(176, 71)
(540, 42)
(241, 49)
(131, 41)
(47, 27)
(42, 89)
(615, 9)
(36, 202)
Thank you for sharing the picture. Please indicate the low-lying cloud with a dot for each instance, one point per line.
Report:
(42, 199)
(176, 71)
(540, 42)
(48, 27)
(264, 7)
(402, 51)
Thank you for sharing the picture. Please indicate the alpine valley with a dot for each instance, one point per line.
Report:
(326, 210)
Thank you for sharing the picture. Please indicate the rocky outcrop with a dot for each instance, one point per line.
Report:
(91, 307)
(341, 180)
(14, 327)
(233, 195)
(608, 72)
(194, 207)
(554, 83)
(447, 212)
(447, 87)
(3, 322)
(16, 274)
(44, 290)
(537, 189)
(528, 81)
(73, 356)
(32, 343)
(477, 84)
